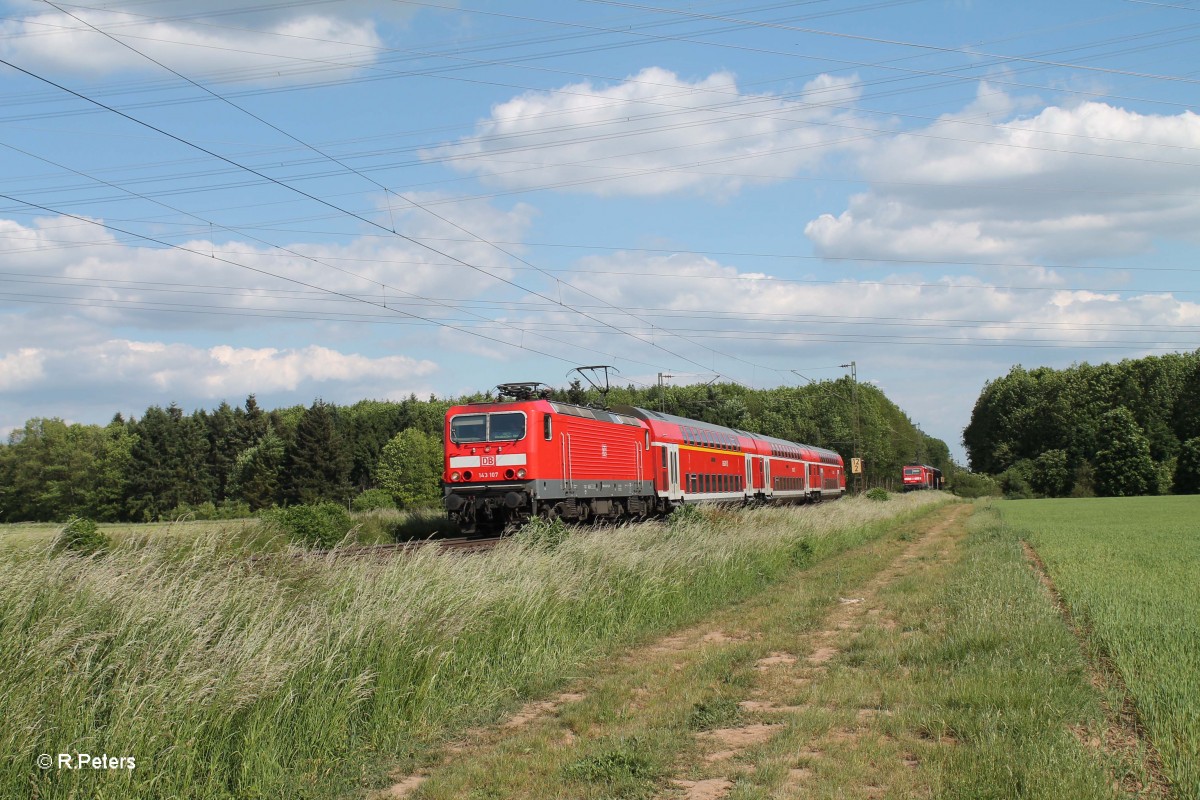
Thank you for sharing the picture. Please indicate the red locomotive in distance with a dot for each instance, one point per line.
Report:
(920, 476)
(524, 456)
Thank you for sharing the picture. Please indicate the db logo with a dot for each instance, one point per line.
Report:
(487, 461)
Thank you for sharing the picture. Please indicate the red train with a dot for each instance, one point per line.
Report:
(513, 459)
(920, 476)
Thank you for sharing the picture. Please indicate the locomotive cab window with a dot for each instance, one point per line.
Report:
(547, 428)
(500, 427)
(506, 427)
(467, 428)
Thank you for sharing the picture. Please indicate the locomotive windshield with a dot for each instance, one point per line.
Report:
(506, 427)
(466, 428)
(911, 471)
(499, 427)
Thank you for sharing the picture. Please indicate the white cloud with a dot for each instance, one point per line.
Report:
(21, 369)
(933, 346)
(1064, 184)
(753, 317)
(260, 44)
(183, 371)
(664, 133)
(109, 283)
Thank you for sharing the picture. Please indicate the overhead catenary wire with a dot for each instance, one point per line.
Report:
(307, 257)
(369, 301)
(409, 200)
(717, 277)
(317, 199)
(783, 339)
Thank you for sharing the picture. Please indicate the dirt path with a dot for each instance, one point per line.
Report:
(755, 679)
(781, 672)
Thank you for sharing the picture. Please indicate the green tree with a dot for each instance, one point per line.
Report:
(368, 426)
(107, 497)
(257, 474)
(1051, 476)
(168, 463)
(226, 431)
(1124, 467)
(317, 460)
(1187, 468)
(410, 467)
(44, 470)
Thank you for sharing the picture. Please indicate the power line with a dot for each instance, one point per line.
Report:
(386, 192)
(317, 199)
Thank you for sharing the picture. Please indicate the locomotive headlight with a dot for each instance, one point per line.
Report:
(520, 473)
(454, 476)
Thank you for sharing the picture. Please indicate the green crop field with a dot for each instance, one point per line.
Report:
(1129, 570)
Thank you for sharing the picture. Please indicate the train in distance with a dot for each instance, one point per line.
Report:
(524, 455)
(921, 476)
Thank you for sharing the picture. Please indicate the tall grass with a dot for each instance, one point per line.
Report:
(230, 677)
(1129, 569)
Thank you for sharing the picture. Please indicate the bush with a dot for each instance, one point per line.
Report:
(228, 509)
(542, 534)
(684, 515)
(80, 535)
(1085, 481)
(1015, 481)
(373, 500)
(1051, 476)
(878, 493)
(316, 525)
(974, 484)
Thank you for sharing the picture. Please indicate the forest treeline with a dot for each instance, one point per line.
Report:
(235, 460)
(1131, 428)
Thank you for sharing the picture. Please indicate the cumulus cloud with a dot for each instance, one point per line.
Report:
(21, 369)
(207, 285)
(1066, 183)
(754, 316)
(656, 133)
(184, 372)
(259, 43)
(932, 345)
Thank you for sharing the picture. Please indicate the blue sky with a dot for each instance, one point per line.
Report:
(353, 200)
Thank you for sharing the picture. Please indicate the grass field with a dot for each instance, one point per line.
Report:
(1129, 571)
(928, 663)
(227, 677)
(25, 534)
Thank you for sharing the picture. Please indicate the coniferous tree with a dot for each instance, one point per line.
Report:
(168, 464)
(317, 460)
(257, 474)
(226, 433)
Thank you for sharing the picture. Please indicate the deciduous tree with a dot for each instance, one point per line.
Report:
(1123, 467)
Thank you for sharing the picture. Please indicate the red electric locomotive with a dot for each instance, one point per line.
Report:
(921, 476)
(513, 459)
